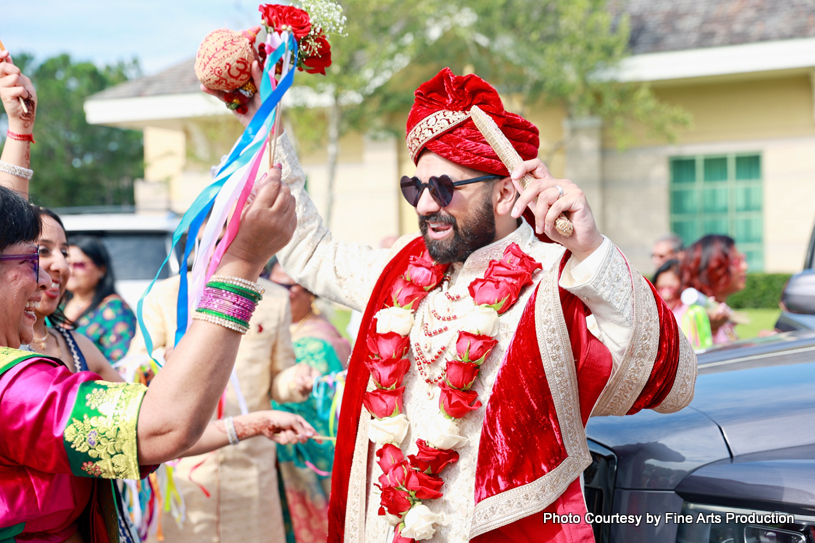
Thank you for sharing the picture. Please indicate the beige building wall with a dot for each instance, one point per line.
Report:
(771, 116)
(366, 206)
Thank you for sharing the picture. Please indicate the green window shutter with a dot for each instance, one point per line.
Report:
(720, 195)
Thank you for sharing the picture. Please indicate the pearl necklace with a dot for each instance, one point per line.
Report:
(423, 353)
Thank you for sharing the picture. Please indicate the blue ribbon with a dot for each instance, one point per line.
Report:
(241, 155)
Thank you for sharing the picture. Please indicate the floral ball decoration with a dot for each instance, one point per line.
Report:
(225, 58)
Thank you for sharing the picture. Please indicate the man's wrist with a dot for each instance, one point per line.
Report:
(589, 249)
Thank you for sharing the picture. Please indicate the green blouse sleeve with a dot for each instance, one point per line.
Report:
(100, 436)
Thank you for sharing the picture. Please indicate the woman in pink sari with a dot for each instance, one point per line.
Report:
(63, 433)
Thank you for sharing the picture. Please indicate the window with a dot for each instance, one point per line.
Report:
(720, 195)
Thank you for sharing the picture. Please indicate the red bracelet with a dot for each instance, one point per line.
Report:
(20, 137)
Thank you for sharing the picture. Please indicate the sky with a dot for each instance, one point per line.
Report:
(160, 33)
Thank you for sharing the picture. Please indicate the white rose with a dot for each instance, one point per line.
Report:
(394, 319)
(444, 434)
(482, 321)
(389, 430)
(420, 522)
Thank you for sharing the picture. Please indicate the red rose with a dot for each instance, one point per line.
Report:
(390, 345)
(424, 272)
(430, 459)
(388, 372)
(461, 375)
(515, 257)
(383, 403)
(286, 18)
(474, 347)
(388, 456)
(457, 403)
(425, 487)
(397, 476)
(498, 270)
(499, 294)
(319, 56)
(407, 294)
(394, 501)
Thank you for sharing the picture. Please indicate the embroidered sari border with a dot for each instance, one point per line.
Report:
(100, 436)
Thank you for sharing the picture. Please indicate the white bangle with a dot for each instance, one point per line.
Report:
(17, 171)
(231, 433)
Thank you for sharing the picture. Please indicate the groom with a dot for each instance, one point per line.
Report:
(484, 346)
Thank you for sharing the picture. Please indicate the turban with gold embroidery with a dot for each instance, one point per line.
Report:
(440, 122)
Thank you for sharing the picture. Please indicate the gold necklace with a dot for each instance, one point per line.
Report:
(41, 341)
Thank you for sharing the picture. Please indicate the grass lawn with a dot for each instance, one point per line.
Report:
(340, 318)
(760, 319)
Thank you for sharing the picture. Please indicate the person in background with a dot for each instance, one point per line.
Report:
(714, 267)
(693, 319)
(242, 481)
(79, 353)
(62, 433)
(667, 247)
(98, 311)
(305, 468)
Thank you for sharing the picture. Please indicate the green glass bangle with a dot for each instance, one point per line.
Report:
(222, 316)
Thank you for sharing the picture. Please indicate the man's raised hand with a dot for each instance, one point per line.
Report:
(544, 199)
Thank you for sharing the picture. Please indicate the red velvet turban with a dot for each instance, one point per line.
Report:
(440, 121)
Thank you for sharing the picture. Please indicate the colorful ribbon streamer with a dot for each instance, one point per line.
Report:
(248, 146)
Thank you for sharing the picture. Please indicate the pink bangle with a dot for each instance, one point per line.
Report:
(20, 137)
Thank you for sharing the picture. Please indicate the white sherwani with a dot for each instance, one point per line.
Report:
(347, 273)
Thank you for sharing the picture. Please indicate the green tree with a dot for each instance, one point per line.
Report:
(381, 37)
(563, 52)
(74, 163)
(551, 52)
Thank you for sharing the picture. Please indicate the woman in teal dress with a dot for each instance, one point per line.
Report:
(305, 468)
(98, 311)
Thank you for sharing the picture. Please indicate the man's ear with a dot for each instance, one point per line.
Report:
(504, 196)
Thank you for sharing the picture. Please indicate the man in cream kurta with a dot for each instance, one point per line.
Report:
(244, 503)
(620, 302)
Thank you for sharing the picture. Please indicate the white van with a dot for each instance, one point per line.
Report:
(137, 244)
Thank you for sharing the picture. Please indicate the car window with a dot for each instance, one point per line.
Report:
(135, 256)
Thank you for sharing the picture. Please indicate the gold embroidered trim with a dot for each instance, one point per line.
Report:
(111, 437)
(558, 365)
(431, 126)
(630, 377)
(682, 392)
(357, 486)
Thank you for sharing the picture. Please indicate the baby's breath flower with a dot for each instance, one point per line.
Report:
(326, 16)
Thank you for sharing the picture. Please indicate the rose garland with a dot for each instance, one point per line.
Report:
(405, 482)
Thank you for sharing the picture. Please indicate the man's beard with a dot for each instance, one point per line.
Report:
(476, 232)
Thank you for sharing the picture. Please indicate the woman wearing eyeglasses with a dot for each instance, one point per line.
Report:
(98, 311)
(62, 433)
(714, 267)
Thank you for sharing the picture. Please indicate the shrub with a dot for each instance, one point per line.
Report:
(762, 290)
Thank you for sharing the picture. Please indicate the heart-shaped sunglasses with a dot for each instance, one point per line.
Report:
(441, 187)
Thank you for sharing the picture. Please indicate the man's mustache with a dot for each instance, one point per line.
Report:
(437, 217)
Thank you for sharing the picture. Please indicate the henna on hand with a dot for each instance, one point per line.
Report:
(247, 427)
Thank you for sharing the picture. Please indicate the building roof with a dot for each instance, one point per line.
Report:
(656, 26)
(177, 79)
(678, 25)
